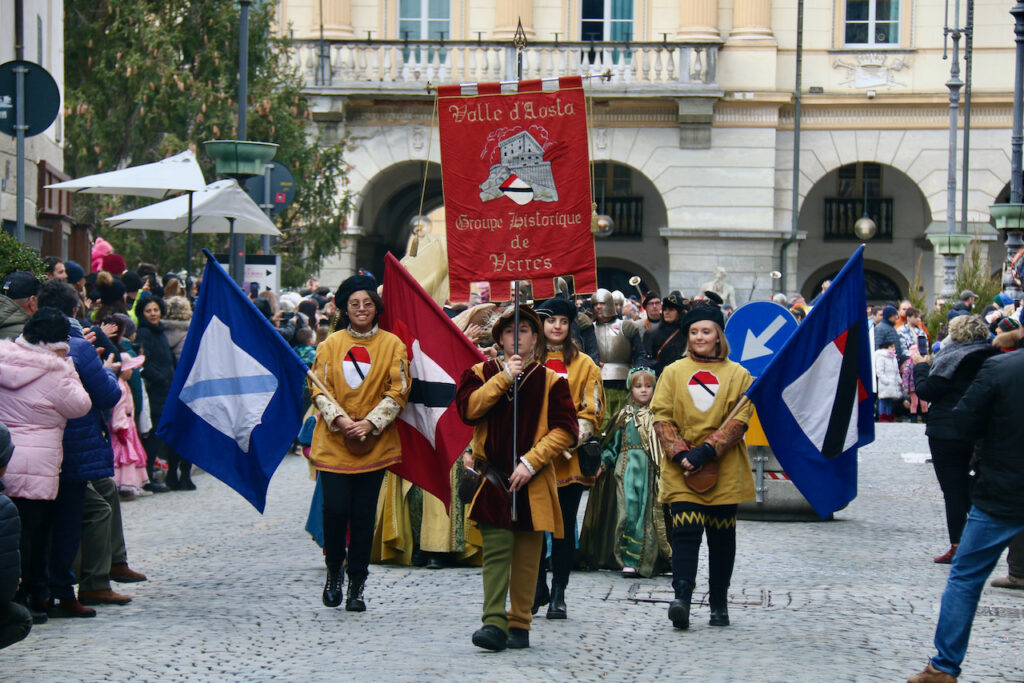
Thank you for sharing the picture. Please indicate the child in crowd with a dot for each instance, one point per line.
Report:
(304, 345)
(630, 518)
(887, 373)
(129, 455)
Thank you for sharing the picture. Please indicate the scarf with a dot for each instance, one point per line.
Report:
(949, 357)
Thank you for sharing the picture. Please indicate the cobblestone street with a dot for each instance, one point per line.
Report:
(233, 595)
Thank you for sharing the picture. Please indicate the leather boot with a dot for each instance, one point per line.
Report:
(355, 603)
(932, 675)
(69, 608)
(518, 638)
(185, 478)
(542, 596)
(332, 588)
(946, 557)
(719, 609)
(679, 609)
(556, 608)
(490, 638)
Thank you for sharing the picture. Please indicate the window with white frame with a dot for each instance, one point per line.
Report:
(606, 20)
(424, 19)
(872, 22)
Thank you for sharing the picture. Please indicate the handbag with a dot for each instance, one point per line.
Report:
(589, 453)
(703, 479)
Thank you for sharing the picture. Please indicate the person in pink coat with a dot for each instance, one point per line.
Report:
(129, 455)
(39, 392)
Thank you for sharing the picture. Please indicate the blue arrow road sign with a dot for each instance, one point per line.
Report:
(756, 331)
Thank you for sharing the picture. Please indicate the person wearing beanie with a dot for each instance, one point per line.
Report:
(885, 332)
(365, 371)
(549, 425)
(114, 264)
(652, 310)
(706, 472)
(563, 355)
(15, 619)
(112, 293)
(75, 273)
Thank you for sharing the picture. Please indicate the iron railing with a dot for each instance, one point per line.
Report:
(842, 213)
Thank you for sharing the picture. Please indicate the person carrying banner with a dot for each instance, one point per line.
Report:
(546, 426)
(366, 371)
(702, 436)
(566, 358)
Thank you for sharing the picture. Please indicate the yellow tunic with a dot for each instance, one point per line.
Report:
(378, 397)
(680, 399)
(588, 395)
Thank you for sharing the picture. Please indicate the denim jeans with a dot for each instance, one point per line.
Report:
(983, 541)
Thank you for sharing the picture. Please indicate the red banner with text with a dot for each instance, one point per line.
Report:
(516, 186)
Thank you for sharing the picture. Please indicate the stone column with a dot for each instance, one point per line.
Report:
(698, 22)
(508, 14)
(337, 19)
(752, 20)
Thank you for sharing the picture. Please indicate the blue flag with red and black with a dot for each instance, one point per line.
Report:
(814, 400)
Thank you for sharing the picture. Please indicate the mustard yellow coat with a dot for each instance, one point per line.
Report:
(386, 377)
(588, 395)
(679, 398)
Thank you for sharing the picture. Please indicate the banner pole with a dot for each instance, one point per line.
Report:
(519, 40)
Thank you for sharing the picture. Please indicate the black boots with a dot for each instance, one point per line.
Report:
(679, 609)
(185, 476)
(518, 638)
(490, 638)
(719, 609)
(355, 595)
(556, 608)
(541, 597)
(332, 588)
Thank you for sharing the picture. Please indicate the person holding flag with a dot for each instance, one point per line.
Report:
(706, 473)
(545, 426)
(362, 384)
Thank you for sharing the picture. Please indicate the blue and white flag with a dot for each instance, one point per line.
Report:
(814, 399)
(235, 403)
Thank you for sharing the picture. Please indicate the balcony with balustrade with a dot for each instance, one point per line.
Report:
(410, 67)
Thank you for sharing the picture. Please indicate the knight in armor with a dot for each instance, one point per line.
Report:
(618, 343)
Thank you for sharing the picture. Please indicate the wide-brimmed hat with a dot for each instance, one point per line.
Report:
(129, 362)
(508, 318)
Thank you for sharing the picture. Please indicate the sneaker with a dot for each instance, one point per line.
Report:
(628, 572)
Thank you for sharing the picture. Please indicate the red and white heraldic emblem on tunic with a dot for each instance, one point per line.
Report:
(703, 386)
(558, 366)
(356, 365)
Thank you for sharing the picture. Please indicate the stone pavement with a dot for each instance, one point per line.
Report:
(234, 595)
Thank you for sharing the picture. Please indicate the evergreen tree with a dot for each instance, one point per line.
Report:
(145, 79)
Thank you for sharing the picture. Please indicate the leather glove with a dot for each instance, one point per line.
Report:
(700, 455)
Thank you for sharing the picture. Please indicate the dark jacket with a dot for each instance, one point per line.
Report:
(10, 556)
(664, 345)
(12, 318)
(943, 394)
(886, 334)
(990, 411)
(159, 368)
(87, 453)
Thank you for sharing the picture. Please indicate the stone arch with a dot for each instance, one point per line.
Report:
(609, 266)
(879, 278)
(922, 155)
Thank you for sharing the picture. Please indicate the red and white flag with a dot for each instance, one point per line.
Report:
(433, 435)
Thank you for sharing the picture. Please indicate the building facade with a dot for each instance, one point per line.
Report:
(693, 126)
(48, 225)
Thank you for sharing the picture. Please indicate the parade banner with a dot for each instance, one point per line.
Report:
(516, 186)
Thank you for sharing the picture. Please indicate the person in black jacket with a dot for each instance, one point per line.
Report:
(666, 343)
(15, 619)
(988, 411)
(157, 374)
(943, 382)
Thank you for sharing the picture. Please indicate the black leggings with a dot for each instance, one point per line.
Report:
(690, 521)
(563, 550)
(350, 508)
(951, 459)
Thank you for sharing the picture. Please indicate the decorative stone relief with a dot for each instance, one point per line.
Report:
(872, 70)
(601, 139)
(418, 139)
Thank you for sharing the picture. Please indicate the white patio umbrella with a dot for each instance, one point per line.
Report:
(222, 206)
(179, 173)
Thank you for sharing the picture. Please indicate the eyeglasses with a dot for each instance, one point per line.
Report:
(364, 304)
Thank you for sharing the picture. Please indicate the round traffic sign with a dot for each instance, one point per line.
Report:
(756, 332)
(282, 188)
(42, 97)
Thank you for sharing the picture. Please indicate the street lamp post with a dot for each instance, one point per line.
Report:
(1010, 217)
(954, 84)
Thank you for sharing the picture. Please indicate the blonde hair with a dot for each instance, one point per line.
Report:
(968, 328)
(723, 343)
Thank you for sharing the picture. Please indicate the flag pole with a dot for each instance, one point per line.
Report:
(327, 392)
(519, 41)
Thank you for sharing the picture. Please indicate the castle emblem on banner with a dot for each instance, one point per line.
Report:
(523, 176)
